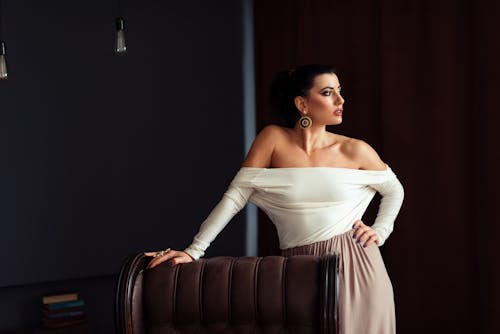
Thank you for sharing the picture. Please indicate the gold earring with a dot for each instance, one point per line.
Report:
(305, 122)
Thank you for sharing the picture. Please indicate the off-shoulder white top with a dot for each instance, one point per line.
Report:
(306, 204)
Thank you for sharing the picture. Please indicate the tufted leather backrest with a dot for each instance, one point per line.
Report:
(229, 295)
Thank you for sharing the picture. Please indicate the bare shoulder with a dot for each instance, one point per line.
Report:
(362, 153)
(263, 146)
(270, 135)
(272, 132)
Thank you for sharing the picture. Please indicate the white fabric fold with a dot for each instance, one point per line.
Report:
(306, 204)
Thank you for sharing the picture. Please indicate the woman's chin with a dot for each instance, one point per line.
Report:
(336, 122)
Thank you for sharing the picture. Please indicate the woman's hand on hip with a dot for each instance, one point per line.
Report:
(172, 256)
(364, 235)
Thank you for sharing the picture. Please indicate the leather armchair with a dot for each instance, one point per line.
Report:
(228, 295)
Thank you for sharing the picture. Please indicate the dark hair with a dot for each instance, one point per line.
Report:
(286, 85)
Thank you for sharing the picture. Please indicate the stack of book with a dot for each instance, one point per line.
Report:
(63, 310)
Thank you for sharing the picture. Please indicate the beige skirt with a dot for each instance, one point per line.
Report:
(366, 301)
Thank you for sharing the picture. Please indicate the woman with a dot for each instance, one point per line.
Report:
(315, 186)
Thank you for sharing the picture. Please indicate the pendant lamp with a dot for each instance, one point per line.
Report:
(120, 43)
(4, 74)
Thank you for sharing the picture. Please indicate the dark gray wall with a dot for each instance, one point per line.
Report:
(102, 155)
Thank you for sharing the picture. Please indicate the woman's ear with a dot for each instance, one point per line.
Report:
(301, 104)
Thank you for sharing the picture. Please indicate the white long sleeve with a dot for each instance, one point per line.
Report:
(234, 199)
(392, 198)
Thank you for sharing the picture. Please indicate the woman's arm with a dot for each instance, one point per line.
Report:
(232, 202)
(392, 197)
(234, 199)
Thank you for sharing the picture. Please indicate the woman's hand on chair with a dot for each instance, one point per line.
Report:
(172, 256)
(364, 235)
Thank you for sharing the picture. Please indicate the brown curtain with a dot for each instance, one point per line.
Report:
(421, 80)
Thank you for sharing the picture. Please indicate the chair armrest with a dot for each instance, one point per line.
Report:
(129, 313)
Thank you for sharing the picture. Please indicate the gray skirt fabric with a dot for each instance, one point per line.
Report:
(366, 301)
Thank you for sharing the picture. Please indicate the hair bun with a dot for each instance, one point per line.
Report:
(288, 84)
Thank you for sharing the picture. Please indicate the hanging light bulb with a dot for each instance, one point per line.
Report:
(3, 61)
(120, 45)
(4, 75)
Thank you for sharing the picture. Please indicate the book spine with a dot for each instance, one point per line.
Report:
(58, 306)
(65, 315)
(59, 298)
(46, 311)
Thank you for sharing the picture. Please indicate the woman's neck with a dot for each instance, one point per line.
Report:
(313, 138)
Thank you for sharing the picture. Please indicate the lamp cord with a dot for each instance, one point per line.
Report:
(1, 20)
(117, 8)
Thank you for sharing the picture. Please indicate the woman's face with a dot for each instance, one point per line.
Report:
(324, 104)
